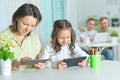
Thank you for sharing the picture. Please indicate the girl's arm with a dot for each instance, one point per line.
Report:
(40, 65)
(79, 51)
(46, 55)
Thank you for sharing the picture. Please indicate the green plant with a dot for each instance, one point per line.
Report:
(6, 43)
(114, 34)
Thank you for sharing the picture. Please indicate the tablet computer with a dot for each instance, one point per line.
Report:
(30, 62)
(74, 61)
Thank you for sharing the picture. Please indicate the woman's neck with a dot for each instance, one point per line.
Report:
(18, 37)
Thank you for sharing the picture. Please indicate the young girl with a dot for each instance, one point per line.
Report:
(62, 46)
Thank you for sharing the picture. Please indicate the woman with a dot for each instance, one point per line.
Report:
(24, 21)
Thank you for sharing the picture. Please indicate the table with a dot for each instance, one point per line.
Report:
(104, 44)
(97, 44)
(110, 70)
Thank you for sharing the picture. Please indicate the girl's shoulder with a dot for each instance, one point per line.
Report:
(49, 48)
(49, 45)
(76, 45)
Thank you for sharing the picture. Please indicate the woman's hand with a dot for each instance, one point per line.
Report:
(16, 64)
(61, 65)
(83, 63)
(41, 65)
(24, 59)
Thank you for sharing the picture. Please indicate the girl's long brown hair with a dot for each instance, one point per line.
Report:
(59, 25)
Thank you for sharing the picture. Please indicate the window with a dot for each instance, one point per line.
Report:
(53, 10)
(58, 9)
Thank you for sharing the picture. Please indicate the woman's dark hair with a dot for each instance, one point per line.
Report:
(25, 10)
(60, 25)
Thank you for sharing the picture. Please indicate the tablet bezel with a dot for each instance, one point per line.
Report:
(74, 61)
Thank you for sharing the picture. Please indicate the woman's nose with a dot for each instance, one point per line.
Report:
(27, 29)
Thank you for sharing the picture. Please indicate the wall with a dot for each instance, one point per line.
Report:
(8, 7)
(108, 8)
(71, 12)
(77, 11)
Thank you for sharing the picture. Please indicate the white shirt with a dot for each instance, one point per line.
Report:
(54, 58)
(90, 34)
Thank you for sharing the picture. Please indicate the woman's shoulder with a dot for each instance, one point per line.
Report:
(5, 32)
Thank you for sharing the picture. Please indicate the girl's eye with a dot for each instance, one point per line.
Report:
(60, 38)
(33, 26)
(68, 37)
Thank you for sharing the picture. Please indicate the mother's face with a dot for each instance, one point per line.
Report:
(26, 25)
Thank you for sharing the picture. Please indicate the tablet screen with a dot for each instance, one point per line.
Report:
(30, 62)
(74, 61)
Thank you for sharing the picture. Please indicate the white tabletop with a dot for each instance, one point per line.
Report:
(99, 44)
(110, 70)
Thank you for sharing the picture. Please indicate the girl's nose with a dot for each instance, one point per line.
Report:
(65, 40)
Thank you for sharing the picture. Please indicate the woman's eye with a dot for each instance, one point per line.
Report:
(25, 24)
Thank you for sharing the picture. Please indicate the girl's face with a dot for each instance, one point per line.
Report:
(26, 25)
(64, 37)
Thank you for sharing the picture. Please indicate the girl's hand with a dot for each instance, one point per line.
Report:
(41, 65)
(83, 63)
(61, 65)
